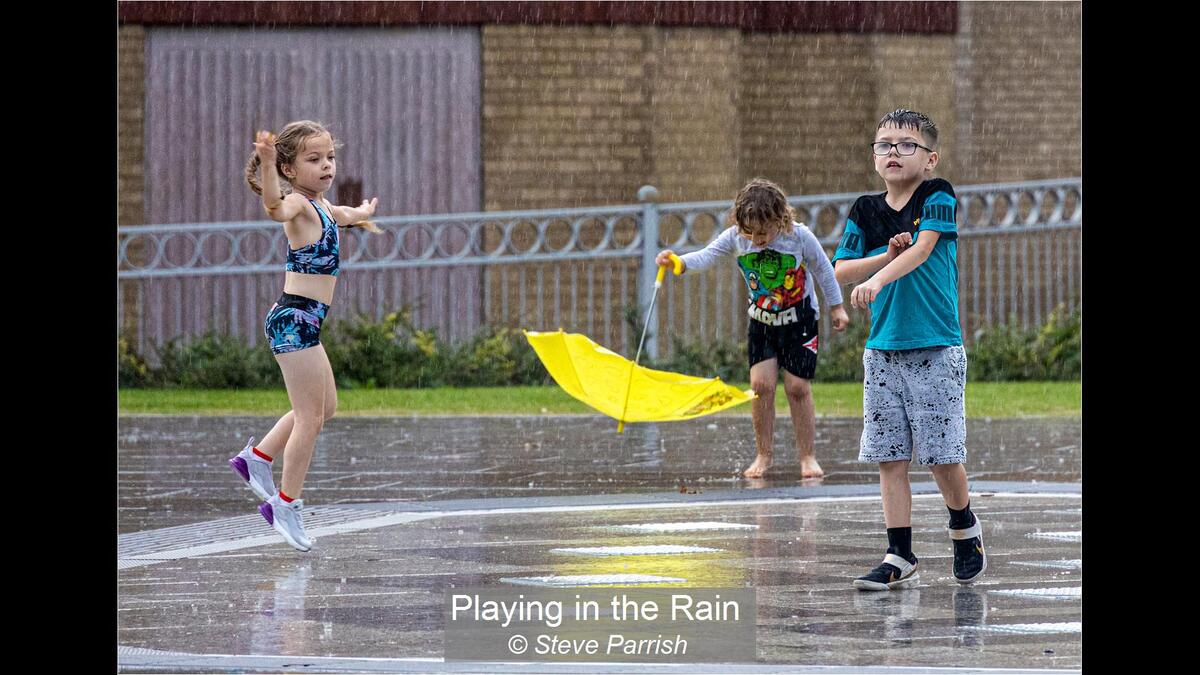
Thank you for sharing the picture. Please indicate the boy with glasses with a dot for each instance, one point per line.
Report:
(902, 246)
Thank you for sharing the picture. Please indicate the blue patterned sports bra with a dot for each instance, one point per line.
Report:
(321, 256)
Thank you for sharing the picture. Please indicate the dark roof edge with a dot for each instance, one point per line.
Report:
(793, 17)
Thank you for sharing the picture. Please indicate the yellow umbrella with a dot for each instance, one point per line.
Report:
(624, 390)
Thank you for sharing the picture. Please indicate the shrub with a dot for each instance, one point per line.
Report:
(841, 354)
(495, 357)
(394, 353)
(706, 359)
(390, 353)
(1052, 351)
(132, 370)
(216, 361)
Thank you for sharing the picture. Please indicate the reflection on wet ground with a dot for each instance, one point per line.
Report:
(204, 576)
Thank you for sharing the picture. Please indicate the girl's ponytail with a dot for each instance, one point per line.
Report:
(252, 167)
(252, 173)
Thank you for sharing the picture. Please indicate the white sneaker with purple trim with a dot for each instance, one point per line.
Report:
(255, 470)
(286, 519)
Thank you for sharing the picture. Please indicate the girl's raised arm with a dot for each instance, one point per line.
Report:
(347, 216)
(281, 209)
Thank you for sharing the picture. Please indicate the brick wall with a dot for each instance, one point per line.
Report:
(585, 115)
(693, 76)
(565, 115)
(1020, 103)
(580, 116)
(804, 102)
(131, 93)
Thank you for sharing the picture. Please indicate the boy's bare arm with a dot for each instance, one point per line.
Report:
(854, 271)
(909, 260)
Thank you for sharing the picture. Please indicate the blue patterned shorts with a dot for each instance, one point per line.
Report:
(294, 323)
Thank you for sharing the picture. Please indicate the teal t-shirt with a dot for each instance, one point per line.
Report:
(920, 309)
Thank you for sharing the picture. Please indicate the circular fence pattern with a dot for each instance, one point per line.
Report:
(232, 248)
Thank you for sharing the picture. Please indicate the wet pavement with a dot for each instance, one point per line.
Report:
(174, 471)
(405, 508)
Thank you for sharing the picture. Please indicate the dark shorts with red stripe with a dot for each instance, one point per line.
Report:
(794, 344)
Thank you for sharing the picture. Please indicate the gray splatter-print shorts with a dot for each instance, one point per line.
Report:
(913, 401)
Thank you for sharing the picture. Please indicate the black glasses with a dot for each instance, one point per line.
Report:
(903, 148)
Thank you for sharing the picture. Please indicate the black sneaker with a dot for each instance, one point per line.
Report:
(969, 559)
(894, 573)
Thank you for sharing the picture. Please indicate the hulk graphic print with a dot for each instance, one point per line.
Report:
(779, 290)
(776, 282)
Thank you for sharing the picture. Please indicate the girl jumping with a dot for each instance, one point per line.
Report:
(303, 156)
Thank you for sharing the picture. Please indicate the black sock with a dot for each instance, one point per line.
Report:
(961, 519)
(900, 543)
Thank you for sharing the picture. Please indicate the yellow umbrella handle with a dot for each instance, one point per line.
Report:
(662, 270)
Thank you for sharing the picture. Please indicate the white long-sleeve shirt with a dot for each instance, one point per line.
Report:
(778, 276)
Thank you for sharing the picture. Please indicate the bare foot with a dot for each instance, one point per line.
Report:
(759, 467)
(810, 469)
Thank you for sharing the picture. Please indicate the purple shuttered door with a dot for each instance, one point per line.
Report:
(405, 102)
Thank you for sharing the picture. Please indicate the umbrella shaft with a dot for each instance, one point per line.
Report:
(625, 408)
(646, 325)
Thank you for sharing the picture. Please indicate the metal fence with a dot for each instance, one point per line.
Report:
(584, 270)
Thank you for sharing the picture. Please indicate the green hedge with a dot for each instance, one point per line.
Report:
(393, 353)
(212, 361)
(1052, 351)
(364, 354)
